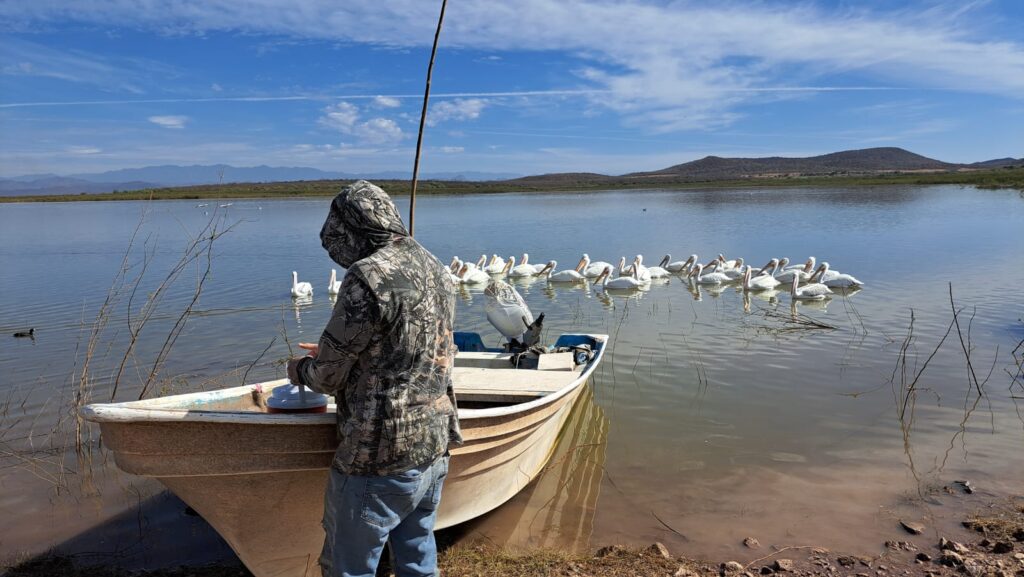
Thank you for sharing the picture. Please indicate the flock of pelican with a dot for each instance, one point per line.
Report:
(805, 281)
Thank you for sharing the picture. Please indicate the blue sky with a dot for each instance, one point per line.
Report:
(526, 87)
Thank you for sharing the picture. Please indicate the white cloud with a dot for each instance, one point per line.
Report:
(216, 87)
(386, 102)
(344, 117)
(458, 109)
(341, 116)
(379, 131)
(175, 122)
(452, 149)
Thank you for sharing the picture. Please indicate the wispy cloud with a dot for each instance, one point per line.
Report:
(452, 149)
(661, 66)
(914, 132)
(112, 74)
(305, 97)
(84, 150)
(175, 122)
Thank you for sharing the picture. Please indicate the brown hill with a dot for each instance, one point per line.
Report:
(998, 163)
(850, 161)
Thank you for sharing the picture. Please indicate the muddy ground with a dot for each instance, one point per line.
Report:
(990, 543)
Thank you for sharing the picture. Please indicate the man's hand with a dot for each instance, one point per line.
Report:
(293, 364)
(313, 348)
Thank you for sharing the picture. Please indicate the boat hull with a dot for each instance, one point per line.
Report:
(260, 483)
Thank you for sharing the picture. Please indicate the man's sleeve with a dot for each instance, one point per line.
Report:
(348, 333)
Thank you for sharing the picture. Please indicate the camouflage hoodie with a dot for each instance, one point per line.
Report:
(387, 352)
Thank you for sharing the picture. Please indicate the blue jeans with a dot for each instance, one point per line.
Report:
(362, 513)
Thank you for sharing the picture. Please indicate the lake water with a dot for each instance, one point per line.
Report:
(712, 418)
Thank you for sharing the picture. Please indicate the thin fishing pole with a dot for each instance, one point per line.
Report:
(423, 119)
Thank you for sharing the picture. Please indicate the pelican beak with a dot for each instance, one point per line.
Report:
(579, 265)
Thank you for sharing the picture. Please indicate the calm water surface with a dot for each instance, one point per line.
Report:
(711, 415)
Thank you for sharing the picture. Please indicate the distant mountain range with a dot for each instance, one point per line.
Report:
(709, 168)
(173, 175)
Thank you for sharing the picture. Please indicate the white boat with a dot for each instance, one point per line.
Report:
(259, 478)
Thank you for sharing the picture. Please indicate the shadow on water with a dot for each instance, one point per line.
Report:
(160, 532)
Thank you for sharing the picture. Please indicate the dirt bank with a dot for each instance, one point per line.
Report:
(990, 543)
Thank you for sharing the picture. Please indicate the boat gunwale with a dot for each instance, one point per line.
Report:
(138, 412)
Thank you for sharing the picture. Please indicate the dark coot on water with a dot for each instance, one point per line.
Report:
(29, 334)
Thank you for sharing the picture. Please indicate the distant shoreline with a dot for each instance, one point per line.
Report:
(1001, 178)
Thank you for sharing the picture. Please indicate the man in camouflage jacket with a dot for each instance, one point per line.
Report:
(386, 356)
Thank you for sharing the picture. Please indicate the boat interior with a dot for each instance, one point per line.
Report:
(483, 377)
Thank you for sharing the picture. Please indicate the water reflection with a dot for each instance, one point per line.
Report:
(557, 509)
(304, 302)
(770, 297)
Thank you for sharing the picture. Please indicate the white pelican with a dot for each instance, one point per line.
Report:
(536, 267)
(594, 268)
(506, 309)
(300, 289)
(734, 272)
(522, 269)
(526, 263)
(453, 272)
(735, 263)
(784, 274)
(562, 276)
(834, 278)
(478, 264)
(807, 267)
(623, 270)
(620, 283)
(680, 265)
(768, 268)
(473, 275)
(495, 266)
(659, 271)
(760, 283)
(808, 292)
(642, 273)
(709, 278)
(333, 285)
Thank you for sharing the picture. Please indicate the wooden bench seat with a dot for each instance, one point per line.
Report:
(507, 385)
